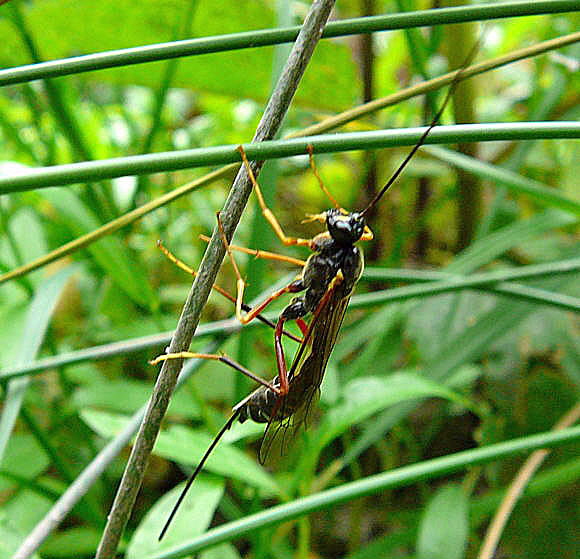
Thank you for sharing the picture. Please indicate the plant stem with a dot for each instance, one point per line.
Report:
(252, 39)
(201, 288)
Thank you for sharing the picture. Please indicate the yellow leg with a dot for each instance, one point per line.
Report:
(214, 357)
(266, 255)
(241, 284)
(367, 235)
(267, 212)
(183, 266)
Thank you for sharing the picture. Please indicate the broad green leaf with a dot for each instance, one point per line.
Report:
(24, 457)
(37, 320)
(105, 394)
(187, 446)
(444, 529)
(244, 73)
(366, 396)
(193, 518)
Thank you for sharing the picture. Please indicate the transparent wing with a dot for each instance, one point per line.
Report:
(305, 377)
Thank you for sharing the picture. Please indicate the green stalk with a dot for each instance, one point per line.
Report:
(372, 485)
(252, 39)
(439, 281)
(185, 159)
(324, 126)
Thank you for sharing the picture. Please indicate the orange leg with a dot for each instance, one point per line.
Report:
(267, 212)
(293, 287)
(310, 149)
(367, 235)
(264, 254)
(183, 266)
(224, 359)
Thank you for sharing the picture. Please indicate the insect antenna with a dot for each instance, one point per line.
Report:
(456, 79)
(193, 476)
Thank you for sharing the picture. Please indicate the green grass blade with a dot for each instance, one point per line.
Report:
(512, 181)
(37, 321)
(252, 39)
(401, 477)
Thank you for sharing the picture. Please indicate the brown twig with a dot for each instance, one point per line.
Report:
(517, 487)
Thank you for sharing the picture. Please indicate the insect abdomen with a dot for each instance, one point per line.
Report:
(262, 404)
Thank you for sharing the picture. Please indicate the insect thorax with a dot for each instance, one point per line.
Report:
(330, 257)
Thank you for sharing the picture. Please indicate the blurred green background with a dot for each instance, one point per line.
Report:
(409, 380)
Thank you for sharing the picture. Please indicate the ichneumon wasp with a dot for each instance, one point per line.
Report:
(327, 281)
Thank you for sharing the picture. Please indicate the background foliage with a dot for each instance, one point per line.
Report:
(409, 380)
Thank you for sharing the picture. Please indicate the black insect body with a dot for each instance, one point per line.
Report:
(337, 260)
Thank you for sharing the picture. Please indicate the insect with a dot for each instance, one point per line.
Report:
(327, 281)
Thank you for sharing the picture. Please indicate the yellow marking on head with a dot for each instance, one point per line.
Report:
(367, 234)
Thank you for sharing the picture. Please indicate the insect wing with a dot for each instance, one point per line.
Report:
(305, 375)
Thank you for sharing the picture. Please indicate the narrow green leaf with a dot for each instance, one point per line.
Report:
(485, 250)
(444, 527)
(111, 255)
(37, 321)
(512, 181)
(470, 343)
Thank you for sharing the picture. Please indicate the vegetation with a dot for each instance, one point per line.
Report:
(458, 354)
